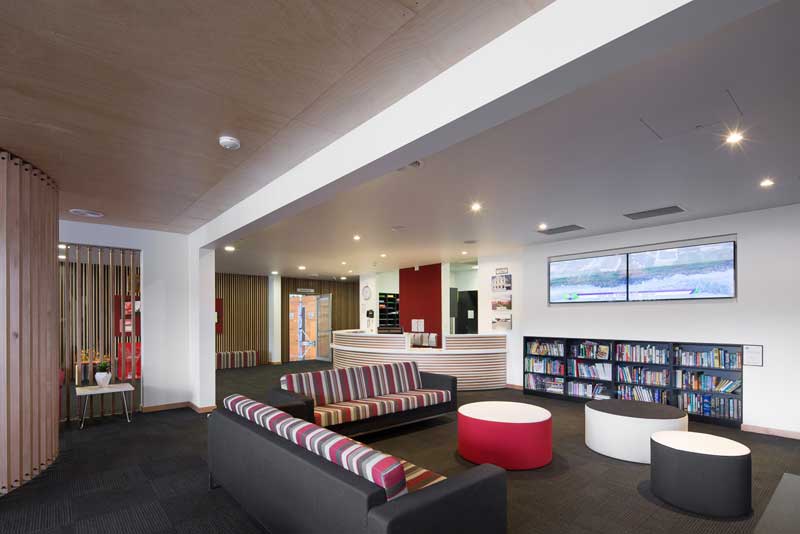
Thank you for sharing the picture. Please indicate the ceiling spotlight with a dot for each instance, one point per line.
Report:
(229, 143)
(274, 273)
(383, 255)
(463, 252)
(342, 278)
(92, 214)
(475, 207)
(230, 248)
(734, 137)
(62, 257)
(344, 263)
(301, 267)
(767, 182)
(542, 226)
(350, 271)
(356, 237)
(62, 246)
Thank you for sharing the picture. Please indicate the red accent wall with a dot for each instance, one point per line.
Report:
(421, 298)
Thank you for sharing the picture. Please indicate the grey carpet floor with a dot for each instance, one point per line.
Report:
(150, 476)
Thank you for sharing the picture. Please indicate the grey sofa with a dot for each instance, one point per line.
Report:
(291, 490)
(302, 407)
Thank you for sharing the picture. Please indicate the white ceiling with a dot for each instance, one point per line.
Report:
(584, 159)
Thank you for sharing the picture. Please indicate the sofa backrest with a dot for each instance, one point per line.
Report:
(353, 383)
(381, 469)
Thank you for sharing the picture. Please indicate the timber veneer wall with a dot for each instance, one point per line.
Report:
(29, 351)
(244, 314)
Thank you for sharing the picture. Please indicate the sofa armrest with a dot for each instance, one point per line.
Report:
(471, 502)
(437, 381)
(295, 404)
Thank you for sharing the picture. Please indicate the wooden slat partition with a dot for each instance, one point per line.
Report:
(28, 322)
(94, 285)
(244, 314)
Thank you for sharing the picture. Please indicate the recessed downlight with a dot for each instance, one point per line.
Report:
(301, 267)
(356, 237)
(344, 263)
(350, 271)
(229, 142)
(383, 255)
(475, 267)
(92, 214)
(464, 253)
(734, 137)
(274, 273)
(542, 226)
(767, 182)
(475, 207)
(62, 246)
(342, 278)
(230, 248)
(62, 257)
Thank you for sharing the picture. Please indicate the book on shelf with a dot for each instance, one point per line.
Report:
(716, 358)
(700, 381)
(540, 348)
(547, 384)
(543, 364)
(588, 391)
(591, 350)
(632, 374)
(597, 371)
(710, 406)
(642, 393)
(628, 352)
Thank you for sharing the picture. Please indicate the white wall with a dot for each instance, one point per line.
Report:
(766, 311)
(166, 376)
(274, 318)
(487, 267)
(464, 280)
(369, 280)
(388, 282)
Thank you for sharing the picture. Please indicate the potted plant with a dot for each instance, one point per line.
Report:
(102, 375)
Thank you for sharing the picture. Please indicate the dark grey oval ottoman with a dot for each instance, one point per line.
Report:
(701, 473)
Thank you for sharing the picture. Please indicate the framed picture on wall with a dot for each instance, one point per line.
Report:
(501, 282)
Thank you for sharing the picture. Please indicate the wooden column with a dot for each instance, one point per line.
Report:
(28, 322)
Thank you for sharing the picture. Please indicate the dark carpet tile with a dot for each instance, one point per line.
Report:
(140, 519)
(35, 517)
(220, 522)
(180, 483)
(172, 465)
(101, 503)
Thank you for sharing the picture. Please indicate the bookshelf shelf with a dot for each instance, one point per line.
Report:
(665, 360)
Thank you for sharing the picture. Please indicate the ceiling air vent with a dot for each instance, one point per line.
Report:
(658, 212)
(562, 229)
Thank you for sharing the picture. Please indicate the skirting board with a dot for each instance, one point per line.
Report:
(178, 405)
(514, 386)
(771, 431)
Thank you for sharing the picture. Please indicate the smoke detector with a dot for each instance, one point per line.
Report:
(229, 143)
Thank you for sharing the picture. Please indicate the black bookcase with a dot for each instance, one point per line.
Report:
(703, 379)
(388, 310)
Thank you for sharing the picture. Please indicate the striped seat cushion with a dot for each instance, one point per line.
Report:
(418, 478)
(355, 410)
(381, 469)
(354, 383)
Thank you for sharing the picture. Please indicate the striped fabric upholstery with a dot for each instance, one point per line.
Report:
(418, 478)
(355, 410)
(237, 359)
(381, 469)
(354, 383)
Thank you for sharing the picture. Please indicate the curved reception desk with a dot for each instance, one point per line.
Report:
(477, 360)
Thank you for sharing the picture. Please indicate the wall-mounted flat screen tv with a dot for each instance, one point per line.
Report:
(598, 279)
(692, 272)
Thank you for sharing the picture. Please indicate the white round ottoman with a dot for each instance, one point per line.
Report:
(622, 428)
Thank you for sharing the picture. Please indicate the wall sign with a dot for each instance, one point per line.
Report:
(753, 355)
(501, 270)
(305, 290)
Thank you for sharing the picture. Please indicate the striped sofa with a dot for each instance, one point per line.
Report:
(237, 359)
(296, 477)
(356, 400)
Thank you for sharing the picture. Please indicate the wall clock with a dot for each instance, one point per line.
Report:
(366, 293)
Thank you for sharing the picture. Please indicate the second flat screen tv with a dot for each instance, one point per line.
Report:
(598, 279)
(693, 272)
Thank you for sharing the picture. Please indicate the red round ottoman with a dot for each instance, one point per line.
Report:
(512, 435)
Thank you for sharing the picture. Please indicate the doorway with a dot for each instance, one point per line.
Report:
(310, 327)
(467, 314)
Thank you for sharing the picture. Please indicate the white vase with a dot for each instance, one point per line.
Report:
(102, 379)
